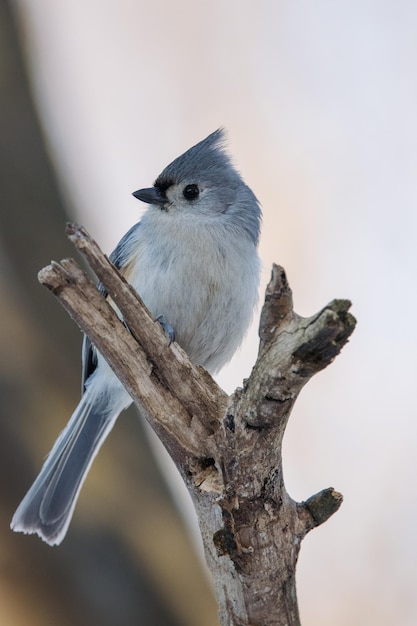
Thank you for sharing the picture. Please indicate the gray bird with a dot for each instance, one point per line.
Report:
(193, 259)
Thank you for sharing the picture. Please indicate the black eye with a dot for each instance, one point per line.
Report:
(191, 192)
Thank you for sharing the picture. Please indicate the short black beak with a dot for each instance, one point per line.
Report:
(152, 195)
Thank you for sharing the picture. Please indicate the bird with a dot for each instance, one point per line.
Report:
(193, 259)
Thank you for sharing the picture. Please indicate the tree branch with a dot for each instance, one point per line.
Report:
(228, 450)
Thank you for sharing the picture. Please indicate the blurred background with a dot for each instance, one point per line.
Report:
(319, 100)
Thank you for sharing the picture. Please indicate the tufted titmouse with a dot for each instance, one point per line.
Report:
(193, 260)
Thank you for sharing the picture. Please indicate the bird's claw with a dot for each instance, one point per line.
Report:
(166, 327)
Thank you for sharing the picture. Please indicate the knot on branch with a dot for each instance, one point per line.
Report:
(319, 507)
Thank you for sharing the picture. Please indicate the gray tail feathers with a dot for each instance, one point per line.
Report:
(48, 506)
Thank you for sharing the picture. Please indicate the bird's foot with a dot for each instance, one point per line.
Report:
(166, 327)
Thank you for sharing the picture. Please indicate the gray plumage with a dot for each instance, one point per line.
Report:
(193, 259)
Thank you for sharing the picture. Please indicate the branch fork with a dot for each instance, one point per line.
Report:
(227, 449)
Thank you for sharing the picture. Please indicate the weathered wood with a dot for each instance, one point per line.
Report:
(228, 450)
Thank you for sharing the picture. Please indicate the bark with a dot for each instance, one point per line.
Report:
(227, 449)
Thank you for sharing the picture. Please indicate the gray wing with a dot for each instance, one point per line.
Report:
(88, 353)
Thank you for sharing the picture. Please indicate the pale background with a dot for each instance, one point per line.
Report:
(319, 100)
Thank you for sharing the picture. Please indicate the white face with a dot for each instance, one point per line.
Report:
(190, 198)
(197, 198)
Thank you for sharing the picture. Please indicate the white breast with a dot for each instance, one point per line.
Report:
(202, 275)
